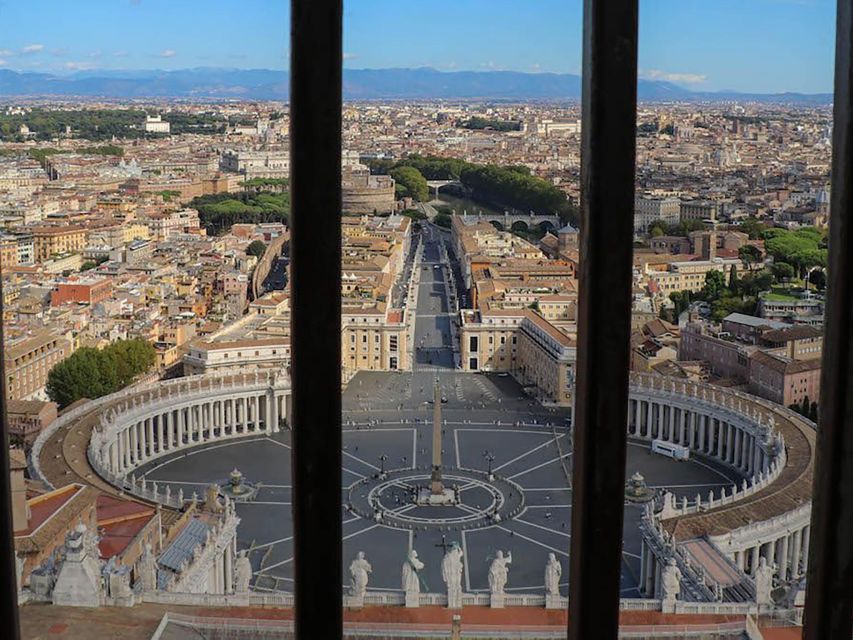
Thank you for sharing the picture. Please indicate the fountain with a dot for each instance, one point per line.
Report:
(238, 488)
(636, 489)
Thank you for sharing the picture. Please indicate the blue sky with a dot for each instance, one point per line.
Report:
(746, 45)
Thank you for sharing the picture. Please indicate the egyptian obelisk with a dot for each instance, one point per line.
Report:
(436, 485)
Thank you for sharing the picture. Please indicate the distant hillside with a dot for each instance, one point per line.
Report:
(359, 84)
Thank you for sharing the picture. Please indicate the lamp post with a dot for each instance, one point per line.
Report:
(489, 459)
(382, 460)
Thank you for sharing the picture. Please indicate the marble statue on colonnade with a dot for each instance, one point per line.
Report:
(359, 570)
(498, 576)
(242, 573)
(763, 583)
(670, 586)
(411, 580)
(553, 573)
(451, 573)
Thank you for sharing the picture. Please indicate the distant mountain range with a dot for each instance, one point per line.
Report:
(359, 84)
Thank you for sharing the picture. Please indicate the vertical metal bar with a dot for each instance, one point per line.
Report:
(316, 59)
(607, 208)
(9, 617)
(829, 596)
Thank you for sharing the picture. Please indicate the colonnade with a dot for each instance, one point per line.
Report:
(702, 428)
(788, 553)
(152, 426)
(740, 432)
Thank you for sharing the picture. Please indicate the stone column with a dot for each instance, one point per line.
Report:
(748, 454)
(795, 556)
(754, 559)
(783, 558)
(229, 569)
(682, 427)
(149, 437)
(267, 413)
(807, 530)
(650, 574)
(134, 442)
(649, 415)
(703, 419)
(275, 413)
(721, 437)
(160, 430)
(692, 429)
(637, 417)
(170, 429)
(771, 553)
(738, 442)
(730, 436)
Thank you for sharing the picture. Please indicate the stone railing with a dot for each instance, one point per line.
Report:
(673, 507)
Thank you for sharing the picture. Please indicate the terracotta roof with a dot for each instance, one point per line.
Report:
(53, 513)
(785, 365)
(794, 332)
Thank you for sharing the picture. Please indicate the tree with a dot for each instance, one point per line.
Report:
(749, 254)
(256, 248)
(782, 271)
(92, 373)
(681, 300)
(412, 181)
(753, 227)
(715, 283)
(657, 229)
(442, 220)
(733, 280)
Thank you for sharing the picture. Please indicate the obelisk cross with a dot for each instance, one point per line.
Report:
(436, 484)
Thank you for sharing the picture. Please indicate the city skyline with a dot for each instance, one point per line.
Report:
(679, 42)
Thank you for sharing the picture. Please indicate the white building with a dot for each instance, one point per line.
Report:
(156, 124)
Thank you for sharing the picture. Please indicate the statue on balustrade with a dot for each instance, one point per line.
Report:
(359, 570)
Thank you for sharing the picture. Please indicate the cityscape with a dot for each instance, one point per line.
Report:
(145, 250)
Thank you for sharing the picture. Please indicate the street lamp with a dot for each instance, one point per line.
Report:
(382, 460)
(489, 459)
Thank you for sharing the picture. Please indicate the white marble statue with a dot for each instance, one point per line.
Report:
(242, 573)
(499, 572)
(358, 569)
(411, 582)
(763, 582)
(670, 585)
(451, 573)
(553, 572)
(148, 569)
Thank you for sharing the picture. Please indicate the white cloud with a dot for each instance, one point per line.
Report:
(120, 54)
(667, 76)
(167, 53)
(350, 56)
(536, 67)
(77, 66)
(6, 52)
(2, 62)
(33, 48)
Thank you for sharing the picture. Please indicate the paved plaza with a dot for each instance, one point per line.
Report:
(525, 508)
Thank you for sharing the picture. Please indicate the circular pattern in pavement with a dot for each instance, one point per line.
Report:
(478, 499)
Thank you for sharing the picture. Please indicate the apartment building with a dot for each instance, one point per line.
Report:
(83, 291)
(236, 356)
(373, 340)
(28, 360)
(51, 241)
(648, 210)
